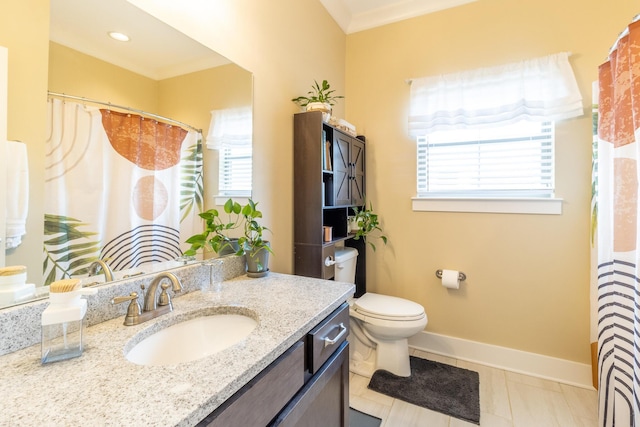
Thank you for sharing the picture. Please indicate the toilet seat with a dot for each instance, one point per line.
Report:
(385, 307)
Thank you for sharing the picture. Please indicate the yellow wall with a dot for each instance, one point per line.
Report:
(528, 275)
(190, 99)
(24, 30)
(74, 73)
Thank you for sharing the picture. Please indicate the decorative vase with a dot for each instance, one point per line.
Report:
(353, 224)
(230, 247)
(257, 261)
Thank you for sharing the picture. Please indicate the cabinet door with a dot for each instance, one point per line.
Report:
(324, 400)
(264, 396)
(356, 157)
(341, 170)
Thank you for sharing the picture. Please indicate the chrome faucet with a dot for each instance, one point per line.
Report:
(153, 307)
(101, 265)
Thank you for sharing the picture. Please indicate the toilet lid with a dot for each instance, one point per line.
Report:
(388, 307)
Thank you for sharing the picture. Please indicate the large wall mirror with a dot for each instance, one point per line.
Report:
(159, 71)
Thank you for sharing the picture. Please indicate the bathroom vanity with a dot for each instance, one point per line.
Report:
(307, 386)
(291, 370)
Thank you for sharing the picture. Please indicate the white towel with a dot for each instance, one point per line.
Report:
(17, 192)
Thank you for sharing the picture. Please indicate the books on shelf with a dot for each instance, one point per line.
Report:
(326, 158)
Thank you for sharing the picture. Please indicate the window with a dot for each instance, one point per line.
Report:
(486, 136)
(230, 134)
(235, 171)
(504, 161)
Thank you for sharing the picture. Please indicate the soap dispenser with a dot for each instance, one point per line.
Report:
(63, 324)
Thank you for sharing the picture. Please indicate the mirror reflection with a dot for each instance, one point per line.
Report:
(160, 74)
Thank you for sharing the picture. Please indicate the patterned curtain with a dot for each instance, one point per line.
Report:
(617, 220)
(118, 187)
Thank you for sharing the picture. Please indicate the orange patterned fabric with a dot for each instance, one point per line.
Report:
(146, 143)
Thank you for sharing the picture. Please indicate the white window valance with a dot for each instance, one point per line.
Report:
(540, 89)
(231, 127)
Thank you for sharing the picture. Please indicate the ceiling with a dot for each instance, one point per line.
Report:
(358, 15)
(155, 50)
(158, 51)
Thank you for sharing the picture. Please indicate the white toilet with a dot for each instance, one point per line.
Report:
(380, 325)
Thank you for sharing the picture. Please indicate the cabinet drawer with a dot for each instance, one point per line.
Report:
(324, 339)
(258, 402)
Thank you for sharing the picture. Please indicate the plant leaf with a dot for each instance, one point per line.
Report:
(63, 260)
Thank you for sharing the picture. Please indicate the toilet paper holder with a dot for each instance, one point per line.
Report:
(461, 276)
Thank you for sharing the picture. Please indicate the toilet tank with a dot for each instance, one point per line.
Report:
(345, 266)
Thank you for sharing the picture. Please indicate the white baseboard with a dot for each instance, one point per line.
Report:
(522, 362)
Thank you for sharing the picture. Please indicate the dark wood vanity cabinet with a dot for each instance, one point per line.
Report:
(307, 386)
(329, 182)
(324, 399)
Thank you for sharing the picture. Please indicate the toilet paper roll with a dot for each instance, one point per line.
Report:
(451, 279)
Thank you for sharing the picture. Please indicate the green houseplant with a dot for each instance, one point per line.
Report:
(252, 242)
(319, 98)
(367, 225)
(215, 233)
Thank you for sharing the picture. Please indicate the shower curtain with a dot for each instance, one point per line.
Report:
(618, 308)
(118, 187)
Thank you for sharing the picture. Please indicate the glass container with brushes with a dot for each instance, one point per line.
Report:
(63, 322)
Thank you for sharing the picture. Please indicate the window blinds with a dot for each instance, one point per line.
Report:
(507, 161)
(235, 171)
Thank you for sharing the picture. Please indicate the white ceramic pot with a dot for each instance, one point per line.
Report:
(353, 224)
(321, 106)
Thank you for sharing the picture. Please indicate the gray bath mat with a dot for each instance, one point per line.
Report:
(436, 386)
(360, 419)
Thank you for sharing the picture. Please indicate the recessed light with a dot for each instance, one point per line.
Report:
(119, 36)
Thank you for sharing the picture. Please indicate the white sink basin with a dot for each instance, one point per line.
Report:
(192, 339)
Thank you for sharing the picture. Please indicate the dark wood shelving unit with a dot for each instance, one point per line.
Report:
(329, 181)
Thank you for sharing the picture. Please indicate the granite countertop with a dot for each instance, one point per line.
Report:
(102, 388)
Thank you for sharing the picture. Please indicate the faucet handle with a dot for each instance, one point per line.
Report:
(133, 311)
(164, 298)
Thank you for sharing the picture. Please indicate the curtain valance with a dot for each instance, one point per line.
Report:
(231, 127)
(539, 89)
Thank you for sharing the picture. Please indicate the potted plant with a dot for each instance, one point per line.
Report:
(255, 247)
(215, 231)
(320, 98)
(364, 223)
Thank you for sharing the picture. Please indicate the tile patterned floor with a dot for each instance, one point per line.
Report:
(506, 400)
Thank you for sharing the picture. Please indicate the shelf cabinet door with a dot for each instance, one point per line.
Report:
(356, 158)
(341, 170)
(348, 172)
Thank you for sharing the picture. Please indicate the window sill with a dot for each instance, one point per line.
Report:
(539, 206)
